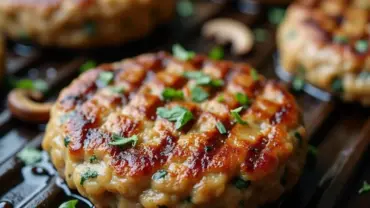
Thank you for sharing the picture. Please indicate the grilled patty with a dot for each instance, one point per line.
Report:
(157, 131)
(327, 43)
(82, 23)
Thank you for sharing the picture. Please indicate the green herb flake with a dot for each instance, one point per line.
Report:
(117, 140)
(182, 54)
(337, 85)
(194, 74)
(208, 148)
(172, 94)
(221, 98)
(340, 39)
(216, 53)
(235, 114)
(39, 85)
(93, 159)
(105, 78)
(365, 188)
(185, 8)
(67, 140)
(362, 46)
(198, 94)
(260, 34)
(30, 155)
(254, 75)
(69, 204)
(217, 83)
(298, 136)
(90, 28)
(117, 89)
(242, 99)
(312, 150)
(240, 183)
(159, 174)
(87, 66)
(178, 114)
(87, 175)
(203, 79)
(364, 75)
(221, 128)
(276, 15)
(298, 84)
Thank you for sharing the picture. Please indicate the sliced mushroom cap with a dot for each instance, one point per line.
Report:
(228, 30)
(22, 105)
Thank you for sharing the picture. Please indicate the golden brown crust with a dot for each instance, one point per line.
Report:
(198, 159)
(82, 23)
(327, 42)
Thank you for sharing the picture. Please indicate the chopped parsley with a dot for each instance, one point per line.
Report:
(362, 46)
(87, 175)
(105, 78)
(117, 140)
(240, 183)
(30, 155)
(67, 140)
(312, 150)
(208, 148)
(221, 98)
(242, 99)
(69, 204)
(198, 94)
(203, 79)
(172, 94)
(340, 39)
(221, 128)
(260, 34)
(39, 85)
(159, 174)
(298, 84)
(276, 15)
(117, 89)
(216, 53)
(337, 85)
(185, 8)
(365, 188)
(87, 66)
(254, 75)
(182, 54)
(235, 113)
(93, 159)
(178, 114)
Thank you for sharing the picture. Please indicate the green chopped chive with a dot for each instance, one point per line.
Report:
(235, 113)
(221, 98)
(242, 99)
(254, 74)
(185, 8)
(298, 84)
(87, 175)
(105, 78)
(312, 150)
(260, 34)
(182, 54)
(340, 39)
(90, 28)
(67, 140)
(159, 174)
(122, 141)
(365, 188)
(337, 85)
(208, 148)
(69, 204)
(178, 114)
(216, 53)
(221, 128)
(203, 79)
(93, 159)
(276, 15)
(240, 183)
(39, 85)
(172, 94)
(362, 46)
(117, 89)
(198, 94)
(30, 155)
(87, 66)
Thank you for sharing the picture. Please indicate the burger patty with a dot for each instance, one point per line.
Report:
(158, 131)
(82, 23)
(327, 43)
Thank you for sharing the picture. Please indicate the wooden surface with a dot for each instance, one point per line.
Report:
(341, 132)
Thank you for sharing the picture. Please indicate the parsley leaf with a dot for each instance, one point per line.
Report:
(67, 140)
(362, 46)
(298, 84)
(221, 128)
(93, 159)
(221, 98)
(117, 89)
(240, 183)
(185, 8)
(198, 94)
(30, 155)
(203, 79)
(235, 113)
(208, 148)
(254, 75)
(105, 78)
(340, 39)
(337, 85)
(39, 85)
(182, 54)
(121, 141)
(69, 204)
(88, 174)
(87, 66)
(216, 53)
(242, 98)
(178, 114)
(159, 174)
(365, 188)
(170, 93)
(312, 150)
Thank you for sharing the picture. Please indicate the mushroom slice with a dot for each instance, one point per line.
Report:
(228, 30)
(22, 105)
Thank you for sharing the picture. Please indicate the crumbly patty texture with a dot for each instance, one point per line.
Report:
(82, 23)
(327, 43)
(209, 161)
